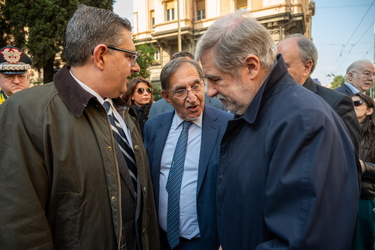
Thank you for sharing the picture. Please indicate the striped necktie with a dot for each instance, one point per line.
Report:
(174, 187)
(123, 143)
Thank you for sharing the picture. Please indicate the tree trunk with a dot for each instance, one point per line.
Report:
(48, 71)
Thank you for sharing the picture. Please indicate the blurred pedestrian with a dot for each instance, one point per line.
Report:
(139, 98)
(301, 57)
(359, 78)
(365, 230)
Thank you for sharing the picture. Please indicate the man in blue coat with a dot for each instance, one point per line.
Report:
(287, 176)
(183, 87)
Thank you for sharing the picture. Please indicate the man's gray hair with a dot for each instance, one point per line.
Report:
(90, 27)
(235, 36)
(172, 66)
(356, 66)
(307, 49)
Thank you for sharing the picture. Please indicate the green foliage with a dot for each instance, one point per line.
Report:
(337, 81)
(156, 92)
(145, 60)
(39, 26)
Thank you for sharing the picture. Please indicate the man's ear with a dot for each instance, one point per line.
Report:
(308, 67)
(350, 74)
(99, 53)
(253, 66)
(165, 95)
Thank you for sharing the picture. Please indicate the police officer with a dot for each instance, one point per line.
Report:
(14, 75)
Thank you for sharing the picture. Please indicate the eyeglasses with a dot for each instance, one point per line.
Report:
(367, 74)
(358, 103)
(183, 93)
(134, 54)
(141, 90)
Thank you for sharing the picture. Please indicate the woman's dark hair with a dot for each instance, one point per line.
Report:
(367, 139)
(132, 87)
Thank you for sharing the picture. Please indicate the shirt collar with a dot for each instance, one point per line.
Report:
(90, 90)
(352, 88)
(177, 121)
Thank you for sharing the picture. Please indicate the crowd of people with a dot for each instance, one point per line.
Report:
(244, 151)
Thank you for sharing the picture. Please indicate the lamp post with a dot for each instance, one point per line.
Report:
(178, 27)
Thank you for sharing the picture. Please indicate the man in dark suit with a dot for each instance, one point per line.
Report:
(162, 105)
(359, 78)
(301, 57)
(183, 88)
(287, 176)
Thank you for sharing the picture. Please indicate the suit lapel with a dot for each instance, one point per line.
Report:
(160, 139)
(210, 132)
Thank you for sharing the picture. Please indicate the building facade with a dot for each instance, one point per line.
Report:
(176, 25)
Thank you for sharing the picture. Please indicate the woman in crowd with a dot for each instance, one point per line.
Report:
(139, 97)
(364, 107)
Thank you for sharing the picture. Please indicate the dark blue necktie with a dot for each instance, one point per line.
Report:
(174, 187)
(123, 143)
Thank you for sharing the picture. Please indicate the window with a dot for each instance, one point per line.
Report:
(201, 12)
(156, 57)
(241, 5)
(170, 10)
(152, 18)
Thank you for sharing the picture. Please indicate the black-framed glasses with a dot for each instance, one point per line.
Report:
(358, 103)
(141, 90)
(134, 54)
(183, 93)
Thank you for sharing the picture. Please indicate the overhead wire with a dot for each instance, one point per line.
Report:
(355, 30)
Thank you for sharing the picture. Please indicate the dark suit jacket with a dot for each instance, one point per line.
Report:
(213, 127)
(162, 105)
(344, 90)
(342, 104)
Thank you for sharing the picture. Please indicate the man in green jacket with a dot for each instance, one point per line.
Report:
(65, 179)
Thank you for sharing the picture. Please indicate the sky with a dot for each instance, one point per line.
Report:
(342, 31)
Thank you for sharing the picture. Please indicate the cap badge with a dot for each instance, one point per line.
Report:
(11, 55)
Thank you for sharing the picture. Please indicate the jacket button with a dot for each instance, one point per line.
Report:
(136, 147)
(113, 198)
(109, 147)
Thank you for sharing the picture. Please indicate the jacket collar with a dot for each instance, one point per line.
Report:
(73, 95)
(310, 85)
(278, 71)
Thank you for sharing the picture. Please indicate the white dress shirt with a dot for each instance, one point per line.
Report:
(188, 209)
(101, 100)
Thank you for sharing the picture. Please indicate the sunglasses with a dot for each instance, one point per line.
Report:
(358, 103)
(141, 90)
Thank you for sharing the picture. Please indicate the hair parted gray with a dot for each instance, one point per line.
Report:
(172, 66)
(356, 66)
(235, 36)
(307, 49)
(89, 27)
